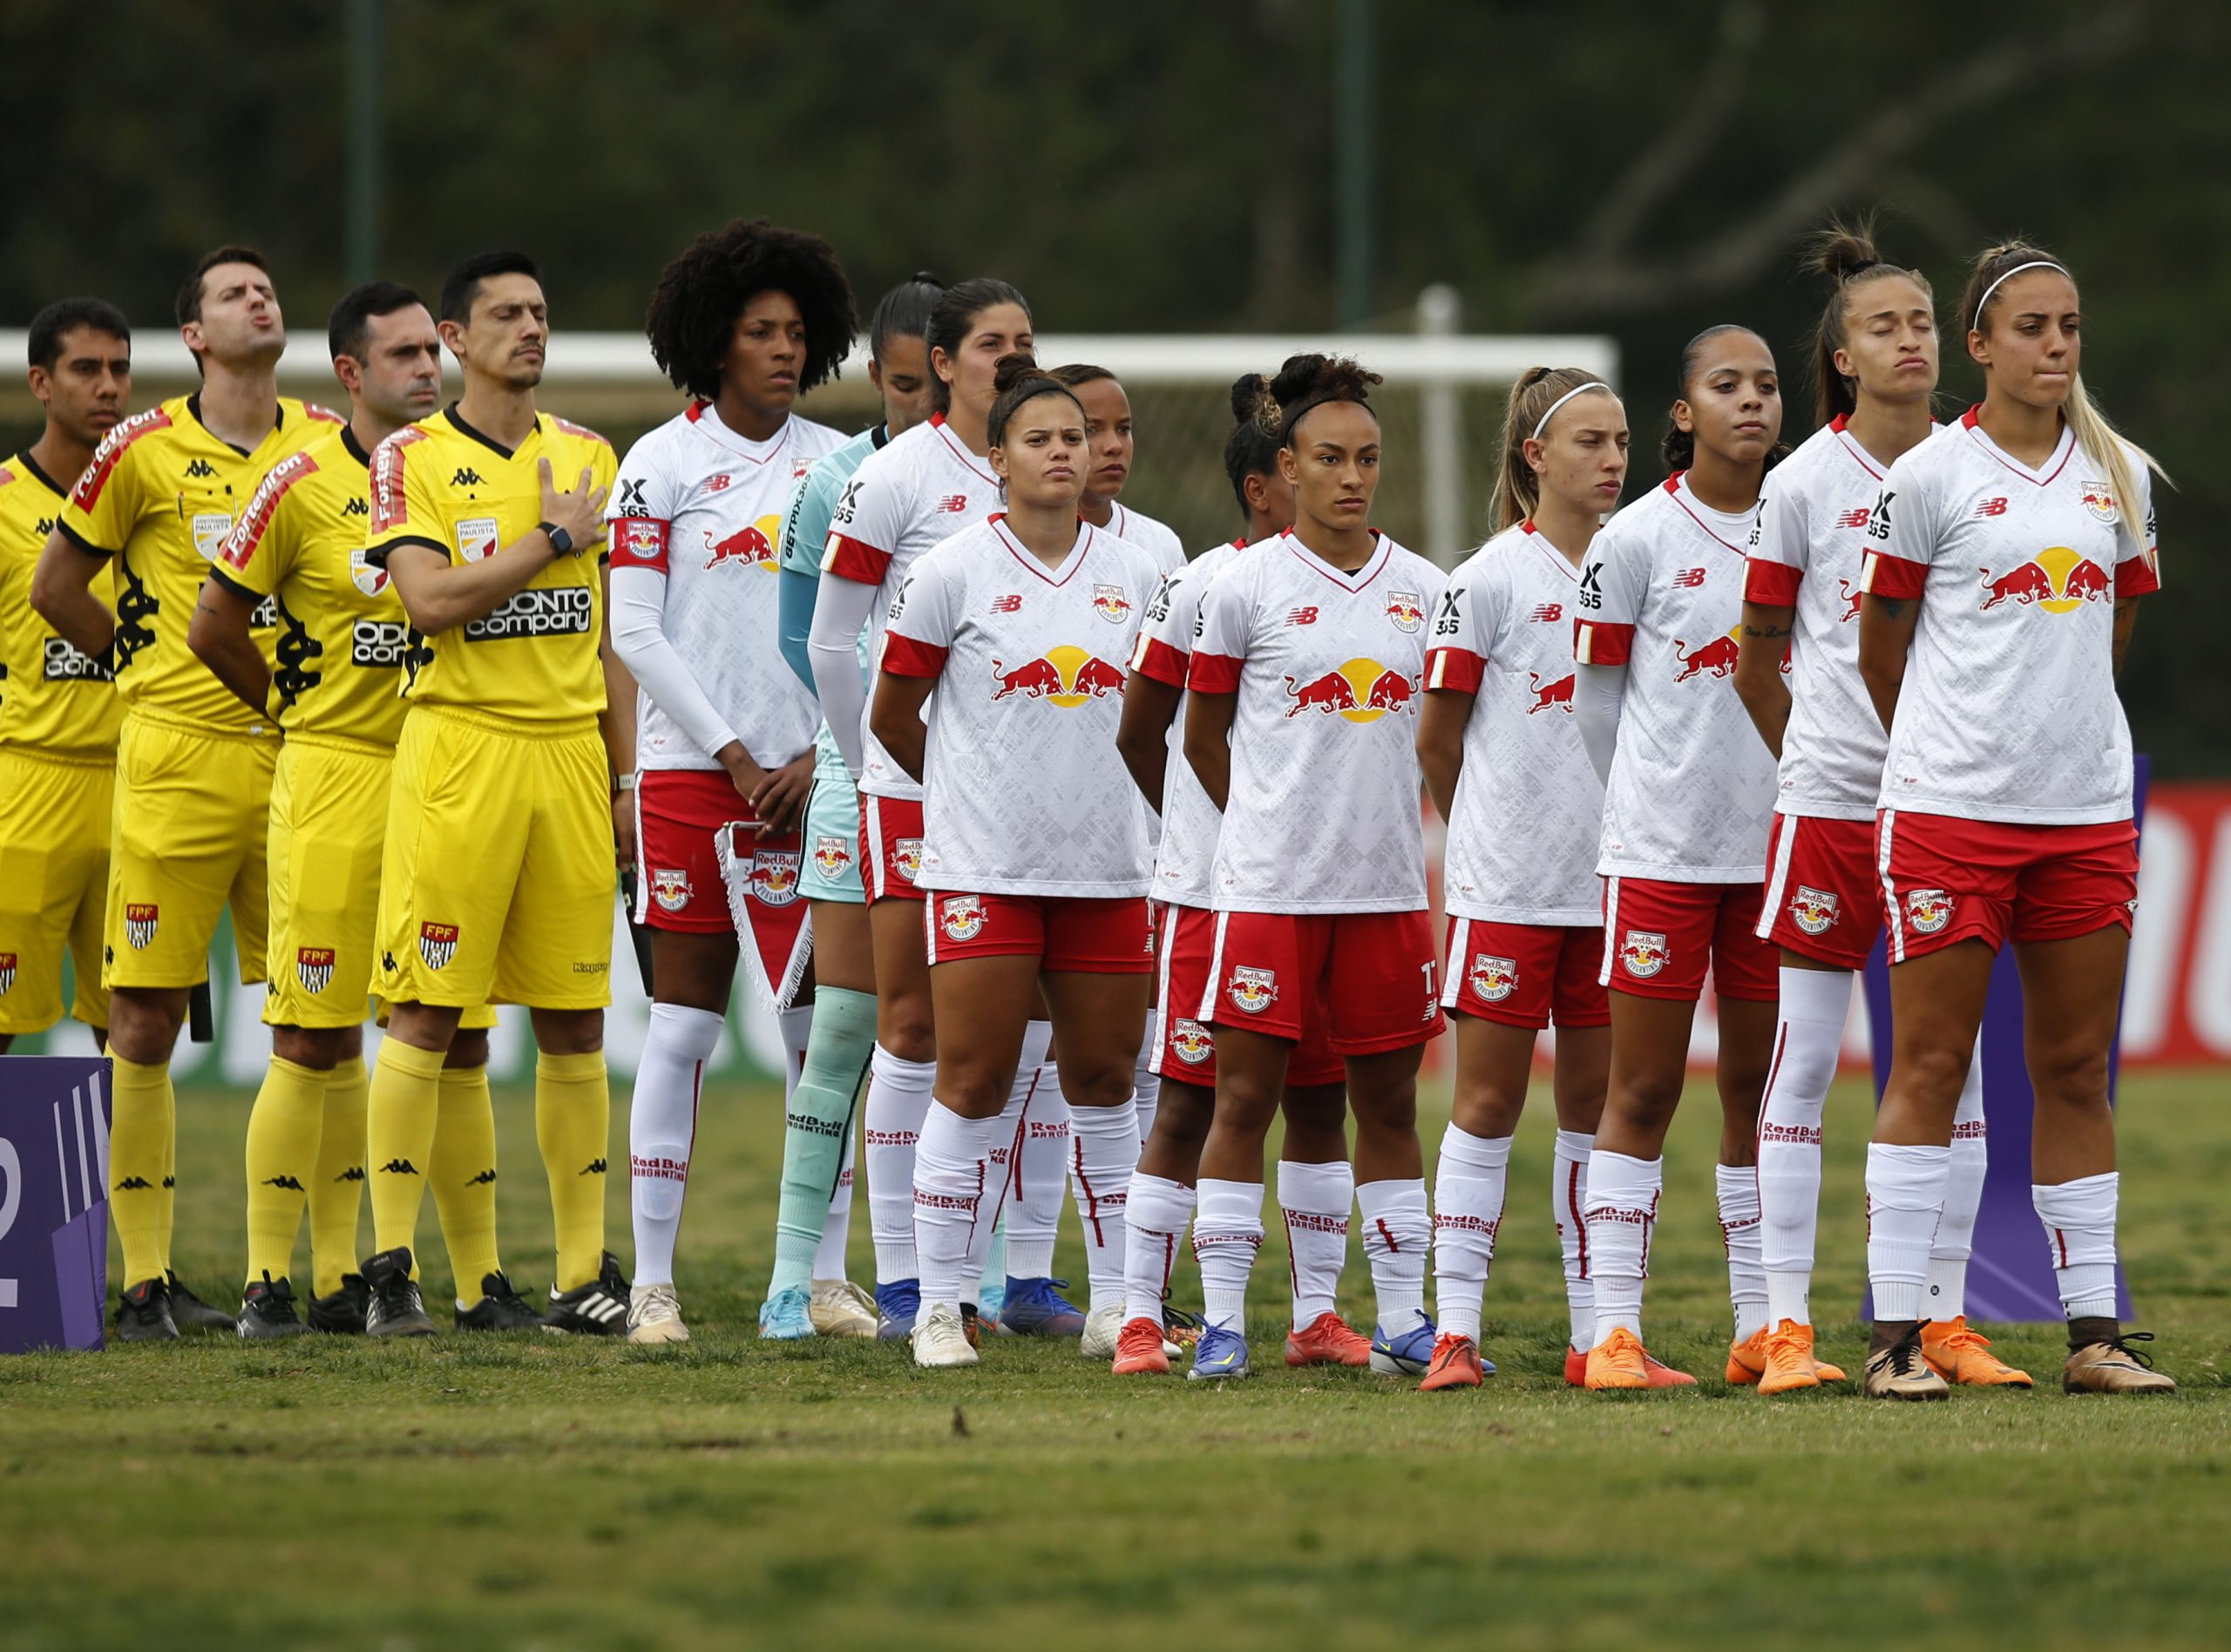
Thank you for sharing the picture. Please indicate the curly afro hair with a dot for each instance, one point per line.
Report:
(695, 306)
(1306, 383)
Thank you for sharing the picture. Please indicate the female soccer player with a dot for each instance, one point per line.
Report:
(923, 487)
(1875, 366)
(744, 320)
(1108, 428)
(1304, 685)
(2023, 538)
(1034, 851)
(1316, 1184)
(1688, 798)
(1525, 811)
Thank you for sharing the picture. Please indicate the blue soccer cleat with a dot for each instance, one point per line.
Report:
(1036, 1308)
(896, 1306)
(787, 1316)
(1219, 1355)
(1408, 1352)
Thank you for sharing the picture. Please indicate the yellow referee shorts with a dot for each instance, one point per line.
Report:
(498, 881)
(54, 825)
(188, 839)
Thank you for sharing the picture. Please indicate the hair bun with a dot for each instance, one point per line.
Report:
(1252, 402)
(1010, 369)
(1843, 250)
(928, 278)
(1320, 377)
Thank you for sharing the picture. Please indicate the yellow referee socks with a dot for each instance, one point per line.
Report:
(337, 1188)
(399, 1118)
(283, 1129)
(140, 1146)
(463, 1174)
(572, 1122)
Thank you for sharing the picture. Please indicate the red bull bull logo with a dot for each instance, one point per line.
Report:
(2058, 580)
(1718, 656)
(1558, 694)
(1253, 990)
(754, 544)
(1645, 953)
(1406, 609)
(1362, 691)
(906, 856)
(961, 916)
(314, 967)
(1110, 603)
(1851, 594)
(1190, 1043)
(1927, 910)
(1812, 910)
(831, 856)
(1494, 979)
(1066, 676)
(775, 876)
(438, 945)
(141, 918)
(670, 888)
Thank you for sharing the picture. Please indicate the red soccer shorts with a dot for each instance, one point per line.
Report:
(1823, 901)
(682, 816)
(1185, 1050)
(1945, 880)
(1366, 978)
(1524, 974)
(1092, 937)
(891, 848)
(1658, 936)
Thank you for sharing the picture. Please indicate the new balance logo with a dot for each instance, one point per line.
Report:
(135, 1184)
(1301, 617)
(1007, 604)
(288, 1182)
(482, 1179)
(200, 470)
(1990, 507)
(354, 1173)
(466, 476)
(398, 1167)
(1547, 613)
(1689, 578)
(595, 1168)
(952, 504)
(1855, 517)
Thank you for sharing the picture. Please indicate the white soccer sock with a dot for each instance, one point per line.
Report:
(999, 1184)
(1738, 1187)
(1041, 1175)
(1469, 1183)
(950, 1172)
(1155, 1223)
(1622, 1210)
(1905, 1195)
(661, 1125)
(2079, 1219)
(837, 1232)
(898, 1098)
(1227, 1232)
(1945, 1295)
(1568, 1200)
(1146, 1083)
(1315, 1200)
(1396, 1231)
(1106, 1140)
(1808, 1036)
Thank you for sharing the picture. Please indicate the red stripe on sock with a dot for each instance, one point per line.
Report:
(1393, 1248)
(1572, 1204)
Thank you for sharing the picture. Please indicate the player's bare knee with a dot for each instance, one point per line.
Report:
(144, 1023)
(468, 1049)
(2069, 1073)
(907, 1030)
(566, 1032)
(317, 1048)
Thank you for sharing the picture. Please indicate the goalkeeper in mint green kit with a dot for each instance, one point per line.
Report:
(807, 1293)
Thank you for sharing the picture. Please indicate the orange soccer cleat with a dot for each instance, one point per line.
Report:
(1618, 1362)
(1661, 1375)
(1754, 1359)
(1138, 1350)
(1327, 1340)
(1963, 1357)
(1455, 1364)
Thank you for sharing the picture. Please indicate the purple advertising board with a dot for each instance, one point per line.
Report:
(54, 1122)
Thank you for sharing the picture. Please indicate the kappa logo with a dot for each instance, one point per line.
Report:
(135, 1184)
(398, 1167)
(1928, 910)
(831, 856)
(286, 1181)
(466, 476)
(593, 1167)
(1190, 1043)
(906, 856)
(314, 965)
(1814, 910)
(670, 888)
(774, 876)
(485, 1178)
(961, 916)
(438, 945)
(1253, 991)
(1111, 604)
(140, 921)
(1645, 953)
(356, 507)
(7, 973)
(354, 1173)
(1494, 979)
(200, 470)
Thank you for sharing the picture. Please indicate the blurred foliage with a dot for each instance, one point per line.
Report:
(1585, 165)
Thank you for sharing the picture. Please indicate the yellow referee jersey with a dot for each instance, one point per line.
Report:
(57, 697)
(341, 635)
(160, 497)
(443, 485)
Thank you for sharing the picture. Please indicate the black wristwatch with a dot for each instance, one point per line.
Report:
(561, 541)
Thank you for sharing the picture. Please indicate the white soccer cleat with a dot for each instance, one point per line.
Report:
(1103, 1328)
(940, 1341)
(654, 1315)
(842, 1308)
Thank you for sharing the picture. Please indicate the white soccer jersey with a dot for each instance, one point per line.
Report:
(1322, 815)
(920, 490)
(1529, 809)
(1187, 852)
(1156, 539)
(703, 505)
(1807, 552)
(2008, 711)
(1691, 798)
(1027, 793)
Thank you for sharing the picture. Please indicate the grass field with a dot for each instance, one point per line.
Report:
(529, 1491)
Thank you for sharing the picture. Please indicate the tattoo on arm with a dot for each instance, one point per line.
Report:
(1893, 607)
(1767, 633)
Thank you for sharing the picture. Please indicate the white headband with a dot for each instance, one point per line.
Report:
(1578, 390)
(2035, 263)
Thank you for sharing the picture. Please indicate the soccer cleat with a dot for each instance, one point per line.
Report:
(267, 1309)
(971, 1324)
(501, 1308)
(1661, 1376)
(2115, 1368)
(189, 1312)
(1180, 1330)
(654, 1314)
(1220, 1355)
(143, 1314)
(1139, 1350)
(1327, 1340)
(994, 1302)
(342, 1314)
(1036, 1308)
(1789, 1360)
(940, 1341)
(1963, 1357)
(394, 1309)
(1104, 1328)
(597, 1309)
(787, 1316)
(1746, 1360)
(1456, 1364)
(842, 1308)
(1618, 1362)
(896, 1306)
(1900, 1373)
(1407, 1352)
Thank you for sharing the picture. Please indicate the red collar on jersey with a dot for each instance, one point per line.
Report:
(1673, 487)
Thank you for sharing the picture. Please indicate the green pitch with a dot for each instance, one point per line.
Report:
(529, 1490)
